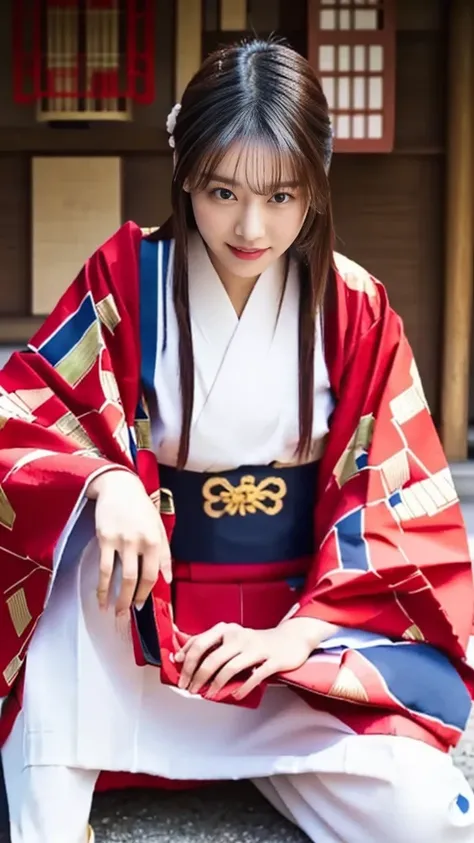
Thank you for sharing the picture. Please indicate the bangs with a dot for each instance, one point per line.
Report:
(263, 162)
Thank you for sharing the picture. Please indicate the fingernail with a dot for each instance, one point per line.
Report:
(139, 606)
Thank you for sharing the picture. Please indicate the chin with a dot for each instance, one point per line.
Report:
(248, 269)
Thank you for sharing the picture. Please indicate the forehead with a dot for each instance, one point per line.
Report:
(256, 165)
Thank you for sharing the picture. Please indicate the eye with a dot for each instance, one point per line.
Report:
(223, 193)
(281, 198)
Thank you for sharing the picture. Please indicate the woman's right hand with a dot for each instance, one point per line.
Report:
(128, 523)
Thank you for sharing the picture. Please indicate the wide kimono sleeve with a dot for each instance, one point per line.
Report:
(67, 404)
(393, 556)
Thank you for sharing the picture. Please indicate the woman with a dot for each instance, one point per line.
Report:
(320, 581)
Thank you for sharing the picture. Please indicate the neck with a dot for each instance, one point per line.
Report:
(237, 289)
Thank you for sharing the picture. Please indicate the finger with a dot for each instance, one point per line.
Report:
(216, 662)
(184, 649)
(259, 675)
(166, 566)
(129, 557)
(228, 629)
(198, 648)
(243, 661)
(150, 566)
(106, 569)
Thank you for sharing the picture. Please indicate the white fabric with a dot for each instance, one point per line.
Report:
(364, 790)
(87, 704)
(246, 372)
(46, 804)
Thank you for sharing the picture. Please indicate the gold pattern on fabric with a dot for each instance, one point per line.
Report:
(108, 313)
(19, 612)
(411, 401)
(427, 497)
(354, 275)
(222, 498)
(348, 687)
(121, 434)
(69, 426)
(346, 467)
(13, 407)
(110, 386)
(7, 513)
(80, 360)
(164, 501)
(396, 470)
(413, 633)
(143, 434)
(12, 670)
(34, 398)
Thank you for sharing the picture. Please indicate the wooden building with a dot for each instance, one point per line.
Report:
(403, 186)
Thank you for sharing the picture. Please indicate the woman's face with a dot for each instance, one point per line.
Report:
(244, 231)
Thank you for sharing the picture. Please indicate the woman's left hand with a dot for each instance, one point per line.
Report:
(225, 650)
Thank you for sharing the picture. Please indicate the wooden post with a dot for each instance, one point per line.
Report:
(459, 231)
(188, 43)
(233, 15)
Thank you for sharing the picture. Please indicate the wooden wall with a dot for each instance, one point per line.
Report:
(388, 208)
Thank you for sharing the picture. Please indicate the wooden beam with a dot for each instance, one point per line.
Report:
(188, 43)
(109, 140)
(459, 231)
(18, 330)
(234, 15)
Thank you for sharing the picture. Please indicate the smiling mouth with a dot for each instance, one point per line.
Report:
(247, 254)
(247, 251)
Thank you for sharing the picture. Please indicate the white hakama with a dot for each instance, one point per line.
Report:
(88, 707)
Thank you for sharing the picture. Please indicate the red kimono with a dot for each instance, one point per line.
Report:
(392, 555)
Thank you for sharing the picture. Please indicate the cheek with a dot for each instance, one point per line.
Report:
(208, 219)
(291, 223)
(198, 207)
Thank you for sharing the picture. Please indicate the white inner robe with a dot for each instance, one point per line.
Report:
(86, 702)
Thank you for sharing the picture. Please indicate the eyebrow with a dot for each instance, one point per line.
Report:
(234, 183)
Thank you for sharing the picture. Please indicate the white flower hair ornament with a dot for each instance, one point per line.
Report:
(171, 123)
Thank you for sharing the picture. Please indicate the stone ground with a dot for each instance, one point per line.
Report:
(221, 813)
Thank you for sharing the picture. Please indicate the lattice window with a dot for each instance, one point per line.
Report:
(352, 48)
(83, 59)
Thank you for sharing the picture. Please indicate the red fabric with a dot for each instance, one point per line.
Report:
(61, 421)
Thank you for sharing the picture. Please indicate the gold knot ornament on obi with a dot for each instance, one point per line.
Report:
(222, 498)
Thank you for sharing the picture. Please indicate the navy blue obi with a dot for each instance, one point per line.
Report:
(249, 515)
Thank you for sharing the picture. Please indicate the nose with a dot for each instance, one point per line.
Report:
(250, 225)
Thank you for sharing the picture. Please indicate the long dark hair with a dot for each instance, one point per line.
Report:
(256, 92)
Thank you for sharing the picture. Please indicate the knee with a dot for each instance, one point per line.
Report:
(427, 807)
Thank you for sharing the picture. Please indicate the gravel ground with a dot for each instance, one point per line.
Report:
(221, 813)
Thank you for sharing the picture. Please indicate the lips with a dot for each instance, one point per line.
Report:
(247, 254)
